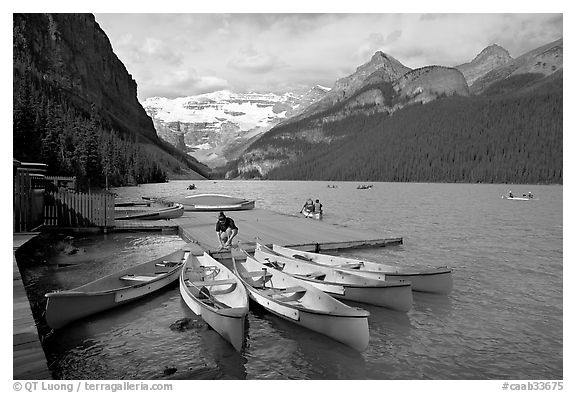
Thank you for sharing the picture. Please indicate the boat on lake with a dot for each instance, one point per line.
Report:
(215, 202)
(303, 304)
(151, 214)
(216, 294)
(113, 290)
(311, 214)
(517, 198)
(432, 280)
(525, 197)
(342, 284)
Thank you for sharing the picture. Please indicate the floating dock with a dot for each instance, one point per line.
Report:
(268, 227)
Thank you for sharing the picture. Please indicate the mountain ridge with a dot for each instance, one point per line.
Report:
(287, 143)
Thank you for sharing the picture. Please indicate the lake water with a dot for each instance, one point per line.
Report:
(503, 319)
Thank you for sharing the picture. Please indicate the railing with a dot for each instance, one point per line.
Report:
(68, 209)
(62, 181)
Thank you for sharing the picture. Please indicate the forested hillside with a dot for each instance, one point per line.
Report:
(48, 129)
(75, 107)
(513, 134)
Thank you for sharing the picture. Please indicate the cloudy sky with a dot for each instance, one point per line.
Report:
(174, 55)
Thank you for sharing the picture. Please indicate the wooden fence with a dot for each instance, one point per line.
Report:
(22, 214)
(68, 209)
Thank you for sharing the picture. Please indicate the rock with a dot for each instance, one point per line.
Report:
(78, 57)
(169, 370)
(428, 83)
(186, 324)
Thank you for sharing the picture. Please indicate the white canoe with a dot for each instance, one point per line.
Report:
(113, 290)
(151, 214)
(314, 215)
(432, 280)
(212, 291)
(215, 202)
(517, 198)
(342, 284)
(303, 304)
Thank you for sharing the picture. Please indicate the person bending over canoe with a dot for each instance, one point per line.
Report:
(226, 230)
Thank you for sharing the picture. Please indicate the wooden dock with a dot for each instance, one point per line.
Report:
(269, 227)
(29, 360)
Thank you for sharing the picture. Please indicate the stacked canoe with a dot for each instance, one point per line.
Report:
(301, 287)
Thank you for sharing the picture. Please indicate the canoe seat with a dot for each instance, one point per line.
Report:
(168, 264)
(209, 283)
(205, 295)
(282, 291)
(257, 274)
(350, 265)
(316, 275)
(204, 270)
(131, 277)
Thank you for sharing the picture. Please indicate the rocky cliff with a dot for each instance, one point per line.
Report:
(428, 83)
(380, 68)
(544, 60)
(490, 58)
(72, 52)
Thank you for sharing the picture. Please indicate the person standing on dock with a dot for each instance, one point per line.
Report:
(226, 230)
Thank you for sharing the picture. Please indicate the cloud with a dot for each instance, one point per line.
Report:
(184, 54)
(181, 83)
(136, 51)
(376, 42)
(249, 60)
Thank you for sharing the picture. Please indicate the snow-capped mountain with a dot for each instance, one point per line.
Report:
(205, 125)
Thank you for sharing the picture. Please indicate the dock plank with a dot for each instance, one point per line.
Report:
(28, 358)
(268, 227)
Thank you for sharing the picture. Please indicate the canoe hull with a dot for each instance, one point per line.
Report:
(431, 280)
(345, 285)
(249, 205)
(440, 283)
(215, 202)
(228, 322)
(316, 216)
(230, 328)
(311, 308)
(163, 214)
(63, 308)
(398, 298)
(351, 331)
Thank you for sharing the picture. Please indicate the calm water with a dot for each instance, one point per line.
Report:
(502, 321)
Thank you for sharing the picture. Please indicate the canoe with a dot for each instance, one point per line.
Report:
(130, 204)
(215, 202)
(431, 280)
(342, 284)
(517, 198)
(303, 304)
(213, 292)
(163, 214)
(315, 215)
(113, 290)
